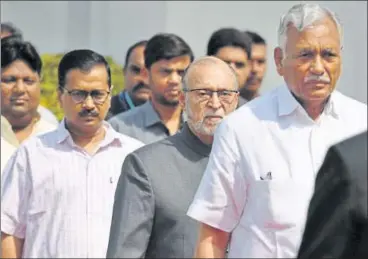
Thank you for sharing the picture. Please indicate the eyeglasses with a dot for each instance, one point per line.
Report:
(79, 96)
(204, 95)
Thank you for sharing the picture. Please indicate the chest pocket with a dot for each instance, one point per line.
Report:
(279, 204)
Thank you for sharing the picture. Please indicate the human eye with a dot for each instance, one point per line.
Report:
(8, 79)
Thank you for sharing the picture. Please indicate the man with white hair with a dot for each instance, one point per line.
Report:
(265, 156)
(158, 181)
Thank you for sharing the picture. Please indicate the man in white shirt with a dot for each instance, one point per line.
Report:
(265, 156)
(58, 189)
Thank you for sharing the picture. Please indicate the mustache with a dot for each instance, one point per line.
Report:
(85, 113)
(324, 79)
(140, 86)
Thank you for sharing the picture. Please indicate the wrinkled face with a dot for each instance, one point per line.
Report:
(86, 116)
(135, 80)
(312, 63)
(165, 79)
(206, 109)
(237, 58)
(20, 90)
(258, 68)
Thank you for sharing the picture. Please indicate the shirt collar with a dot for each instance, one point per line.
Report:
(194, 142)
(287, 103)
(151, 116)
(111, 135)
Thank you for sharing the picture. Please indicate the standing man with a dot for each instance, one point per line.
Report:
(166, 58)
(10, 30)
(58, 189)
(158, 181)
(235, 48)
(337, 224)
(259, 65)
(265, 156)
(136, 90)
(21, 68)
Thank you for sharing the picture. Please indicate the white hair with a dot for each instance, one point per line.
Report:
(302, 16)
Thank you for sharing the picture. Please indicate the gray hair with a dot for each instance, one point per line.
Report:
(205, 61)
(303, 16)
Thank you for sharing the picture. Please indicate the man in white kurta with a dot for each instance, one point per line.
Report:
(265, 156)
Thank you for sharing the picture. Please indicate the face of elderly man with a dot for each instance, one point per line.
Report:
(204, 106)
(311, 62)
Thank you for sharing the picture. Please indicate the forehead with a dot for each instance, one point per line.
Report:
(18, 68)
(323, 34)
(181, 62)
(96, 78)
(230, 53)
(258, 50)
(212, 76)
(137, 56)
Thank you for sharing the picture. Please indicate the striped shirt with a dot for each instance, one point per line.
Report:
(58, 198)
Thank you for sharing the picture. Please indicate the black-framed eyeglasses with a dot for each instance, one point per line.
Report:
(79, 96)
(204, 95)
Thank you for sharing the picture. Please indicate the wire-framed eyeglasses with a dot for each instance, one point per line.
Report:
(80, 96)
(204, 95)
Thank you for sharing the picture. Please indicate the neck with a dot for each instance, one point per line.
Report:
(167, 113)
(86, 139)
(204, 138)
(20, 123)
(313, 109)
(136, 102)
(247, 94)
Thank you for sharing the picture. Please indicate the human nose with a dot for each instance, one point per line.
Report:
(214, 101)
(88, 102)
(317, 66)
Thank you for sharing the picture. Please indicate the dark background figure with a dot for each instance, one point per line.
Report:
(136, 91)
(234, 47)
(337, 223)
(259, 65)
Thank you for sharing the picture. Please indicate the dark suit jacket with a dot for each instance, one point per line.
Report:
(157, 184)
(337, 218)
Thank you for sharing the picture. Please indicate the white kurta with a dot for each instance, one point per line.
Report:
(262, 168)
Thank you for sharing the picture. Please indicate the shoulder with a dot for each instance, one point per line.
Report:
(129, 116)
(128, 141)
(349, 106)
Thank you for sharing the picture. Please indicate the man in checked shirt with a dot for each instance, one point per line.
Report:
(58, 189)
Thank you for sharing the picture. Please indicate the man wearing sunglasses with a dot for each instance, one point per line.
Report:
(158, 181)
(234, 47)
(58, 190)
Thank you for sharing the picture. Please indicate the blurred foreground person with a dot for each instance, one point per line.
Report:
(337, 223)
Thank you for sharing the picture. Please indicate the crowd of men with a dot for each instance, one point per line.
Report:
(190, 159)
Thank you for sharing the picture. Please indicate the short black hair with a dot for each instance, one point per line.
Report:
(255, 37)
(165, 46)
(229, 37)
(13, 49)
(131, 49)
(82, 59)
(11, 29)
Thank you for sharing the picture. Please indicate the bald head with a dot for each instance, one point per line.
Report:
(209, 68)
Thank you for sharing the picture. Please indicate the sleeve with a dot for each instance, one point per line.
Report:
(328, 225)
(133, 212)
(220, 197)
(15, 193)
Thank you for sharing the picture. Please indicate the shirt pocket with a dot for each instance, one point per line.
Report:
(280, 203)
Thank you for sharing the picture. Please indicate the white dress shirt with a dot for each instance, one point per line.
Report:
(262, 168)
(59, 198)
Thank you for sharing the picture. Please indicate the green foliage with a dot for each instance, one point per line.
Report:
(50, 80)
